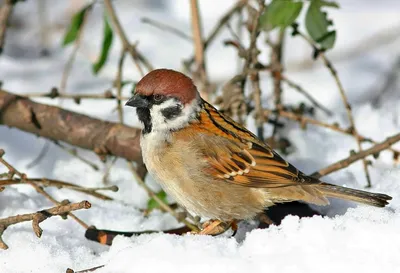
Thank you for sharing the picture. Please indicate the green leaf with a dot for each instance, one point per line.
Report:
(107, 41)
(280, 13)
(328, 40)
(317, 24)
(75, 26)
(153, 204)
(329, 4)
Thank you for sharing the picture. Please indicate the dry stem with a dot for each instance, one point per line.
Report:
(165, 27)
(303, 120)
(345, 100)
(73, 152)
(276, 62)
(355, 157)
(69, 270)
(136, 56)
(44, 182)
(217, 28)
(200, 74)
(306, 94)
(39, 217)
(71, 59)
(5, 12)
(251, 62)
(13, 171)
(118, 84)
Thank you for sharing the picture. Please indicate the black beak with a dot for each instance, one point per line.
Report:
(138, 101)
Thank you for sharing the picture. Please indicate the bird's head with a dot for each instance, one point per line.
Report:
(165, 100)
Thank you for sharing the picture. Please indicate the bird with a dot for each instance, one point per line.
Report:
(211, 165)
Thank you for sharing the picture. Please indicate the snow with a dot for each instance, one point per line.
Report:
(350, 238)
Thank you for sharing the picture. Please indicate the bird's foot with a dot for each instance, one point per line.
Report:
(216, 227)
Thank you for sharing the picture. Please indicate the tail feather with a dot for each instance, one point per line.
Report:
(369, 198)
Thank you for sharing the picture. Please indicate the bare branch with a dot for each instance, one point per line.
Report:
(13, 171)
(343, 95)
(71, 59)
(303, 120)
(45, 182)
(104, 138)
(358, 156)
(5, 13)
(200, 73)
(39, 217)
(306, 94)
(166, 27)
(69, 270)
(224, 19)
(135, 54)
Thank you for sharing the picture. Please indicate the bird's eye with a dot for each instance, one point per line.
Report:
(158, 97)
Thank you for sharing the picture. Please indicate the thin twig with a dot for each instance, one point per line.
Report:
(306, 94)
(168, 28)
(255, 80)
(5, 13)
(376, 149)
(303, 120)
(200, 72)
(252, 51)
(69, 270)
(276, 62)
(118, 84)
(136, 56)
(76, 97)
(389, 82)
(254, 77)
(39, 217)
(13, 171)
(45, 182)
(163, 206)
(381, 38)
(77, 43)
(217, 28)
(345, 100)
(74, 153)
(107, 170)
(40, 156)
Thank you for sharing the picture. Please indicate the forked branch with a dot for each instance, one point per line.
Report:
(39, 217)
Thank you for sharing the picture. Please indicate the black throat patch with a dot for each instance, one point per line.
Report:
(145, 118)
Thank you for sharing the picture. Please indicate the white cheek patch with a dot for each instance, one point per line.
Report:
(160, 123)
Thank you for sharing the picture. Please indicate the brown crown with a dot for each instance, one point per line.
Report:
(169, 83)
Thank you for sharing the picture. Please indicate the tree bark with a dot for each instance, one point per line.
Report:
(103, 137)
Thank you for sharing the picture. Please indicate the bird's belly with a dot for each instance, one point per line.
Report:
(180, 175)
(224, 202)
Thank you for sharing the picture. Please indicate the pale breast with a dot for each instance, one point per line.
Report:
(178, 168)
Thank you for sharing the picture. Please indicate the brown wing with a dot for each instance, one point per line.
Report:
(237, 156)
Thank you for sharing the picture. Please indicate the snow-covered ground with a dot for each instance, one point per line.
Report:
(350, 239)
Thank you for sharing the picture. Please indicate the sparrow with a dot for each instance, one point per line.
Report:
(213, 166)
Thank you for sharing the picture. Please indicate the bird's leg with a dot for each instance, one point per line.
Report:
(216, 227)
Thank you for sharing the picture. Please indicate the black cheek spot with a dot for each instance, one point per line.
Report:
(171, 112)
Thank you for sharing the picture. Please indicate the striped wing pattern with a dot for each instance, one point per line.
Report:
(237, 156)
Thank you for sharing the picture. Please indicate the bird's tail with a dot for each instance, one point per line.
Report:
(369, 198)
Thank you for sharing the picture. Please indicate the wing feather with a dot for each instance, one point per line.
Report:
(235, 155)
